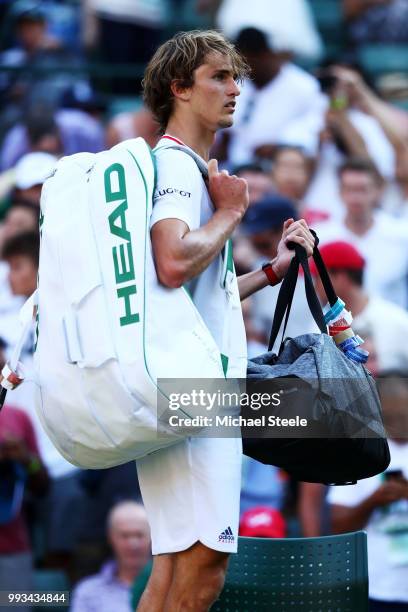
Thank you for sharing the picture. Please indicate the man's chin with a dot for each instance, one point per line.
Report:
(226, 122)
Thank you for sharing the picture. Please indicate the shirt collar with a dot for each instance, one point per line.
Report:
(109, 571)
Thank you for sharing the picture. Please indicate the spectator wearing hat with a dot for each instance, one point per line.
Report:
(31, 171)
(262, 522)
(23, 216)
(262, 224)
(387, 321)
(262, 485)
(280, 104)
(381, 240)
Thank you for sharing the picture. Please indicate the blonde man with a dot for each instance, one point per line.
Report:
(191, 490)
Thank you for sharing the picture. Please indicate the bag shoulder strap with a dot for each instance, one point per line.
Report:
(201, 164)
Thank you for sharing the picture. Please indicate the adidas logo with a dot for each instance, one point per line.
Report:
(227, 537)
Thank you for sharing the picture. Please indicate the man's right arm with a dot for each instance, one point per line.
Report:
(181, 254)
(352, 518)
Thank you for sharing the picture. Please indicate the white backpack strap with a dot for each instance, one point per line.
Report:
(202, 166)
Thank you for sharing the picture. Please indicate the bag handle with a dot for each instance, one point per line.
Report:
(323, 273)
(284, 302)
(287, 290)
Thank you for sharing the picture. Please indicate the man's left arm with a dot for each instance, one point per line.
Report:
(293, 231)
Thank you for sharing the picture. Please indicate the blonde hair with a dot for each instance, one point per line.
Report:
(177, 59)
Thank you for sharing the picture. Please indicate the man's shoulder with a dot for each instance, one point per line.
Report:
(178, 170)
(388, 312)
(178, 161)
(391, 227)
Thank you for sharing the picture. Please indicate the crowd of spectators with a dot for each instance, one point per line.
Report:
(316, 138)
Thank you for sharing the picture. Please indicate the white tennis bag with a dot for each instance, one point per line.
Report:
(107, 330)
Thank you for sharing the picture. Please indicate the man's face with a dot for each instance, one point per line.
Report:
(212, 96)
(359, 191)
(31, 34)
(259, 184)
(31, 194)
(340, 281)
(264, 65)
(22, 275)
(266, 243)
(290, 174)
(130, 539)
(395, 414)
(19, 219)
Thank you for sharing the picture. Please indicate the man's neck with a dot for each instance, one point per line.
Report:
(192, 134)
(359, 225)
(127, 575)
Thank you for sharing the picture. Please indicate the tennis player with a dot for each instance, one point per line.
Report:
(191, 490)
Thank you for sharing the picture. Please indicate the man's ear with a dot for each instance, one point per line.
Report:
(180, 90)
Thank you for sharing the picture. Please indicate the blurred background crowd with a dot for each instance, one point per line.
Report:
(320, 132)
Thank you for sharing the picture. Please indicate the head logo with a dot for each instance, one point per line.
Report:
(122, 254)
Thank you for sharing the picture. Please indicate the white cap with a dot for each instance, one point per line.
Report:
(34, 169)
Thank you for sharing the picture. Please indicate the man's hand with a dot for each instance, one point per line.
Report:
(227, 192)
(293, 231)
(390, 491)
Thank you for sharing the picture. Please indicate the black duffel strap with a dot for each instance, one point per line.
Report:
(287, 290)
(323, 273)
(284, 301)
(311, 295)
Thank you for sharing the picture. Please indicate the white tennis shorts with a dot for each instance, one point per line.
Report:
(191, 493)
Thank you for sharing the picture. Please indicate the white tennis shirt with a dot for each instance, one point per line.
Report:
(181, 193)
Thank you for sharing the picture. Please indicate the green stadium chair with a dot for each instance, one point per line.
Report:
(379, 59)
(50, 580)
(327, 574)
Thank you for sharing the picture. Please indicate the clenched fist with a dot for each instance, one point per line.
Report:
(227, 192)
(293, 231)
